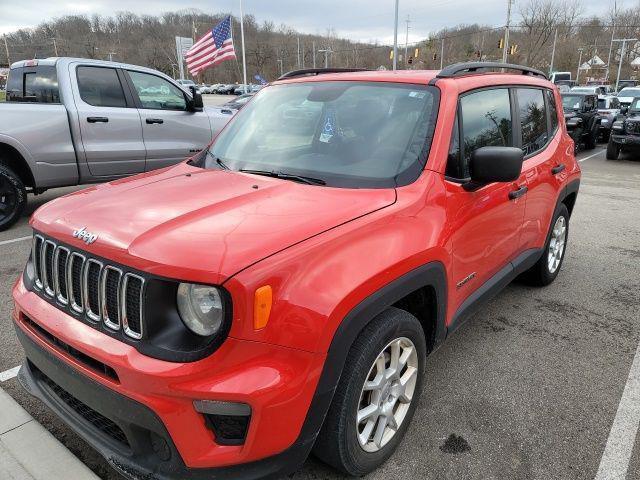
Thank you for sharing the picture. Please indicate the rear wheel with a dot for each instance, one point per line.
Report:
(548, 266)
(13, 197)
(377, 394)
(592, 139)
(613, 150)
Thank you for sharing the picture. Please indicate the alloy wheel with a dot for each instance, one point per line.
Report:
(387, 394)
(8, 197)
(557, 244)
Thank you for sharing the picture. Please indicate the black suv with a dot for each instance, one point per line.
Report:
(581, 115)
(625, 131)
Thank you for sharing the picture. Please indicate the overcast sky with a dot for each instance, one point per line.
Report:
(355, 19)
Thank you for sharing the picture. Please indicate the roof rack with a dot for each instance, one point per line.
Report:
(473, 67)
(318, 71)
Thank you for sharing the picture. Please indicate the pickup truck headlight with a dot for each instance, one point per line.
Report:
(618, 126)
(201, 308)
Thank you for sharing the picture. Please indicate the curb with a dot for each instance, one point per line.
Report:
(29, 452)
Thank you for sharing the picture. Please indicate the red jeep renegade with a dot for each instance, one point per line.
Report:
(280, 292)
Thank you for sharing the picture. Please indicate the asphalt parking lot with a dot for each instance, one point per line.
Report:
(528, 388)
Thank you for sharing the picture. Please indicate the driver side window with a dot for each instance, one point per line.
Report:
(156, 93)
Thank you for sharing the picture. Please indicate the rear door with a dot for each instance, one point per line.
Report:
(109, 122)
(171, 132)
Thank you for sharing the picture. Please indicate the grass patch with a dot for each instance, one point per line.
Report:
(3, 94)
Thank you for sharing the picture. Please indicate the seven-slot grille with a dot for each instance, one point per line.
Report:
(104, 293)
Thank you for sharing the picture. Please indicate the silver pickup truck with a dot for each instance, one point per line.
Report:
(70, 121)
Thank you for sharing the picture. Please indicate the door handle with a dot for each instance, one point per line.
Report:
(557, 169)
(151, 121)
(97, 119)
(518, 193)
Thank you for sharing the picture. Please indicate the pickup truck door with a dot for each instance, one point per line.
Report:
(171, 133)
(110, 124)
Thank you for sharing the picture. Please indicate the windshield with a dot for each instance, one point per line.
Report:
(602, 103)
(569, 102)
(345, 134)
(583, 89)
(629, 92)
(635, 105)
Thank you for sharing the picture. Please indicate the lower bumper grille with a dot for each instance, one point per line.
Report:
(99, 421)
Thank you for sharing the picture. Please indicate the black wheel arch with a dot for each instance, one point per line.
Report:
(12, 159)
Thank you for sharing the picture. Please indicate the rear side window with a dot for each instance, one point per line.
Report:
(533, 119)
(33, 84)
(100, 87)
(486, 120)
(553, 111)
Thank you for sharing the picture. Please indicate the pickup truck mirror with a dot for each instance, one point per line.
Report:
(195, 104)
(495, 164)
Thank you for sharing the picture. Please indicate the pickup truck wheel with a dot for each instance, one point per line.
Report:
(13, 198)
(377, 394)
(613, 150)
(547, 267)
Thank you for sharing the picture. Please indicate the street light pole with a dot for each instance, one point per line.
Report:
(395, 39)
(624, 45)
(244, 58)
(579, 63)
(506, 32)
(406, 41)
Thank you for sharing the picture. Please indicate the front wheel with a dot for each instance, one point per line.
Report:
(613, 150)
(13, 198)
(377, 394)
(548, 266)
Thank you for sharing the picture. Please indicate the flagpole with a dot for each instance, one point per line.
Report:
(244, 60)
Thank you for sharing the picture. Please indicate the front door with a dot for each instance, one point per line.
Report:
(485, 223)
(109, 124)
(171, 132)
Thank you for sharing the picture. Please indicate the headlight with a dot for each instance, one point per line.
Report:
(201, 308)
(617, 126)
(604, 121)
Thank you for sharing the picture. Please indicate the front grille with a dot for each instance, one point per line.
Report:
(101, 292)
(632, 127)
(96, 419)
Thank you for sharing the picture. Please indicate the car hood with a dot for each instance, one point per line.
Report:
(201, 225)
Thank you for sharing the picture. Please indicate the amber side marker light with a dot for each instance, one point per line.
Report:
(262, 307)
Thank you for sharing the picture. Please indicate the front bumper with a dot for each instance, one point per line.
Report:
(144, 423)
(630, 140)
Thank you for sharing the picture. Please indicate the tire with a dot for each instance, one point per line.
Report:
(605, 136)
(544, 272)
(613, 150)
(577, 139)
(13, 198)
(338, 442)
(592, 139)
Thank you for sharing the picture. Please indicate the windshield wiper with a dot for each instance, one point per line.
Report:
(285, 176)
(218, 160)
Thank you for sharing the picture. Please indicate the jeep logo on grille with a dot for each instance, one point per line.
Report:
(86, 236)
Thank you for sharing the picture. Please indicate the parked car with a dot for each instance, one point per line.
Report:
(627, 94)
(625, 131)
(226, 89)
(188, 84)
(559, 77)
(627, 83)
(280, 292)
(221, 115)
(204, 88)
(594, 89)
(87, 121)
(608, 109)
(581, 117)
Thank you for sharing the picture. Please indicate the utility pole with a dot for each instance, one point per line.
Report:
(441, 53)
(395, 39)
(6, 48)
(553, 53)
(326, 52)
(406, 41)
(313, 44)
(298, 63)
(506, 32)
(613, 32)
(624, 45)
(579, 63)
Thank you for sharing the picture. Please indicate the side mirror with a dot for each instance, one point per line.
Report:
(494, 164)
(195, 104)
(624, 110)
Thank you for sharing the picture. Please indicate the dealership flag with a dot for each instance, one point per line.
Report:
(215, 47)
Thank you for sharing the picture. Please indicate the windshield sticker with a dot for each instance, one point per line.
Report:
(417, 94)
(329, 127)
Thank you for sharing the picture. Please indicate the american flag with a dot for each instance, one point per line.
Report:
(215, 47)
